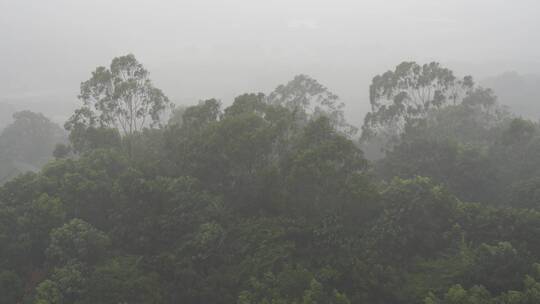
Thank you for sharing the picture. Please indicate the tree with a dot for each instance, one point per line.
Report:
(248, 103)
(525, 193)
(41, 216)
(407, 94)
(476, 121)
(30, 139)
(47, 292)
(516, 152)
(177, 115)
(121, 280)
(257, 204)
(205, 112)
(518, 132)
(11, 287)
(85, 139)
(8, 169)
(497, 267)
(475, 295)
(247, 135)
(308, 99)
(77, 241)
(323, 172)
(61, 151)
(419, 220)
(464, 169)
(121, 96)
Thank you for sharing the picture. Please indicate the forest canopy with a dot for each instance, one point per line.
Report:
(271, 199)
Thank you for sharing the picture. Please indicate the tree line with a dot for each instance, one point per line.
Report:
(272, 200)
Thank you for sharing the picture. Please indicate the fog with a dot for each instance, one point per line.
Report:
(233, 173)
(201, 49)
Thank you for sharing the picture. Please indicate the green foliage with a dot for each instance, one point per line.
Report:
(121, 97)
(529, 294)
(121, 280)
(61, 151)
(322, 162)
(518, 131)
(466, 148)
(292, 285)
(419, 219)
(525, 194)
(268, 201)
(67, 282)
(27, 144)
(77, 241)
(498, 268)
(48, 293)
(84, 139)
(466, 170)
(11, 287)
(307, 99)
(205, 112)
(30, 138)
(407, 94)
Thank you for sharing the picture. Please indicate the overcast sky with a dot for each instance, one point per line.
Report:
(210, 48)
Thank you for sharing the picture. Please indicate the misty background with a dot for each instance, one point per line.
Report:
(202, 49)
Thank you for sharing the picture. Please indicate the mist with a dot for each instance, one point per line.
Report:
(220, 49)
(257, 152)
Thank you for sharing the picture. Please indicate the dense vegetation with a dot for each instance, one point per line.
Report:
(271, 200)
(27, 144)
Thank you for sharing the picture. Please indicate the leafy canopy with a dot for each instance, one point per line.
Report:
(121, 96)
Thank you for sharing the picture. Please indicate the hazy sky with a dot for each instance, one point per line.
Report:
(203, 48)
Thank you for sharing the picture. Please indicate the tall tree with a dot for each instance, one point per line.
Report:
(308, 99)
(407, 94)
(121, 96)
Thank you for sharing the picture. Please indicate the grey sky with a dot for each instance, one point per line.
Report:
(211, 48)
